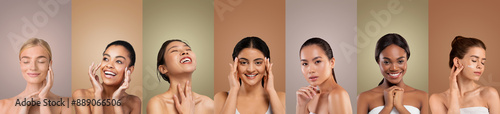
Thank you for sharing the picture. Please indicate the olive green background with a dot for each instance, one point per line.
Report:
(409, 18)
(190, 21)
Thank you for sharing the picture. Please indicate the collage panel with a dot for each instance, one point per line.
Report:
(251, 31)
(334, 22)
(105, 36)
(392, 56)
(184, 32)
(36, 55)
(467, 30)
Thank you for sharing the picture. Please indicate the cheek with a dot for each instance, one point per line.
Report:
(241, 69)
(261, 69)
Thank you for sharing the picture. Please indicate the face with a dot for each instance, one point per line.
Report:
(315, 65)
(179, 59)
(35, 64)
(473, 63)
(114, 61)
(251, 68)
(392, 63)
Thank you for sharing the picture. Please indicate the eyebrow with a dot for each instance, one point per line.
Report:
(318, 57)
(175, 47)
(36, 57)
(115, 57)
(402, 57)
(477, 57)
(244, 59)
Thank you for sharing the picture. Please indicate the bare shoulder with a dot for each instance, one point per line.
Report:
(437, 96)
(489, 92)
(338, 92)
(221, 96)
(134, 100)
(82, 93)
(367, 95)
(156, 104)
(205, 100)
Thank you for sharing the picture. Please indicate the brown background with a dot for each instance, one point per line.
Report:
(95, 24)
(466, 18)
(262, 18)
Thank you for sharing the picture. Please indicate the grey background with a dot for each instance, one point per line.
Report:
(334, 21)
(56, 31)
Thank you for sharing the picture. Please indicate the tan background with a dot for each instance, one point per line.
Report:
(55, 28)
(332, 20)
(410, 21)
(466, 18)
(95, 24)
(262, 18)
(190, 21)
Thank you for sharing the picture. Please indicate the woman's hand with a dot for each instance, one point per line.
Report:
(389, 97)
(185, 103)
(118, 94)
(234, 83)
(455, 70)
(269, 78)
(47, 85)
(304, 95)
(25, 109)
(453, 100)
(94, 79)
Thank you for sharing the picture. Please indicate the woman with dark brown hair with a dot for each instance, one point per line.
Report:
(467, 59)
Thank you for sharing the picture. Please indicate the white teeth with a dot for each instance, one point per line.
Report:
(185, 60)
(393, 75)
(250, 75)
(109, 73)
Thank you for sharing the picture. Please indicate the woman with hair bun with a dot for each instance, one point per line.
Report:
(467, 63)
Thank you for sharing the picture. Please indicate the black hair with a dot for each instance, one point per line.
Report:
(161, 57)
(461, 45)
(324, 46)
(387, 40)
(127, 46)
(252, 42)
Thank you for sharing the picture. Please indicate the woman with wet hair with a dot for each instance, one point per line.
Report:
(251, 82)
(392, 95)
(323, 95)
(117, 64)
(35, 58)
(467, 63)
(176, 63)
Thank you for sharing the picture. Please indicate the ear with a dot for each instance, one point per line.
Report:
(162, 69)
(131, 68)
(456, 62)
(332, 62)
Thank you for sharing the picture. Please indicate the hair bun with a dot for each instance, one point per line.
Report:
(456, 40)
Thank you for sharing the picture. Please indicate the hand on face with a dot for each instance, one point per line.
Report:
(233, 75)
(94, 79)
(47, 84)
(269, 78)
(118, 94)
(455, 70)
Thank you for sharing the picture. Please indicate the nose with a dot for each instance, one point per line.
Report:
(250, 68)
(394, 67)
(33, 66)
(480, 66)
(310, 69)
(184, 52)
(109, 65)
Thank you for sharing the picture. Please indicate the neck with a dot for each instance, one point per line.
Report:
(328, 85)
(176, 80)
(387, 84)
(251, 90)
(108, 90)
(32, 88)
(465, 84)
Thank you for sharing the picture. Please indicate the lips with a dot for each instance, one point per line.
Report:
(186, 60)
(109, 74)
(394, 75)
(313, 78)
(478, 73)
(33, 74)
(251, 76)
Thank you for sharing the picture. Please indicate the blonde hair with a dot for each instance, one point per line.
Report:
(32, 42)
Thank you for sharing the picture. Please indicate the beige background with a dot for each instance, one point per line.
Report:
(55, 28)
(190, 21)
(333, 21)
(410, 20)
(262, 18)
(470, 19)
(95, 24)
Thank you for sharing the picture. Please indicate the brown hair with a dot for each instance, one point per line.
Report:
(461, 45)
(32, 42)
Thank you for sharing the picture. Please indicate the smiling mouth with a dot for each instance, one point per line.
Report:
(394, 75)
(186, 60)
(247, 75)
(109, 74)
